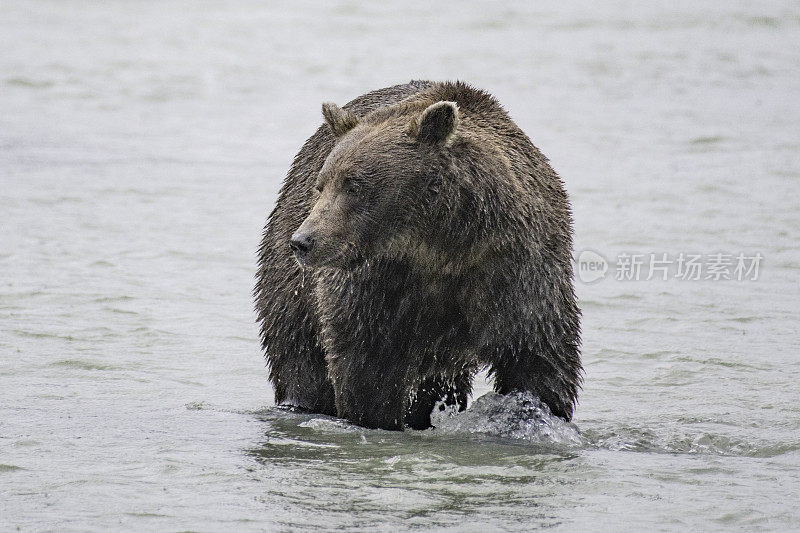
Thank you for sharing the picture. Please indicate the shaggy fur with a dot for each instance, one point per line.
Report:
(436, 240)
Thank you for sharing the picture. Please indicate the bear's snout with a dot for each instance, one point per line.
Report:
(301, 244)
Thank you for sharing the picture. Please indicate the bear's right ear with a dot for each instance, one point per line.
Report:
(339, 120)
(437, 124)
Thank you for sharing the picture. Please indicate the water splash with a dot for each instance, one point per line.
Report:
(519, 416)
(330, 425)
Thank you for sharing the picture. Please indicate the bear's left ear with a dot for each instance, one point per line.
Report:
(339, 120)
(437, 124)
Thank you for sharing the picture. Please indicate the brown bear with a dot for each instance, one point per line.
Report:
(419, 237)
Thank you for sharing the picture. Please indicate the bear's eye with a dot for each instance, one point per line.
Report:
(351, 186)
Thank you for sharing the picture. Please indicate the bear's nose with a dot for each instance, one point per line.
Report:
(301, 243)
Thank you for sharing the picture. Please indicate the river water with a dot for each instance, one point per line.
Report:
(142, 145)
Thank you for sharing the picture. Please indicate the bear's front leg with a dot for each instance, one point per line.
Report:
(370, 390)
(552, 376)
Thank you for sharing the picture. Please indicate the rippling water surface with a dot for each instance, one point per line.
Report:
(142, 145)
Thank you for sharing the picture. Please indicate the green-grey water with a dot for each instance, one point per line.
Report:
(142, 145)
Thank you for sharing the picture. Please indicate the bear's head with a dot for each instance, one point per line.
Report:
(375, 185)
